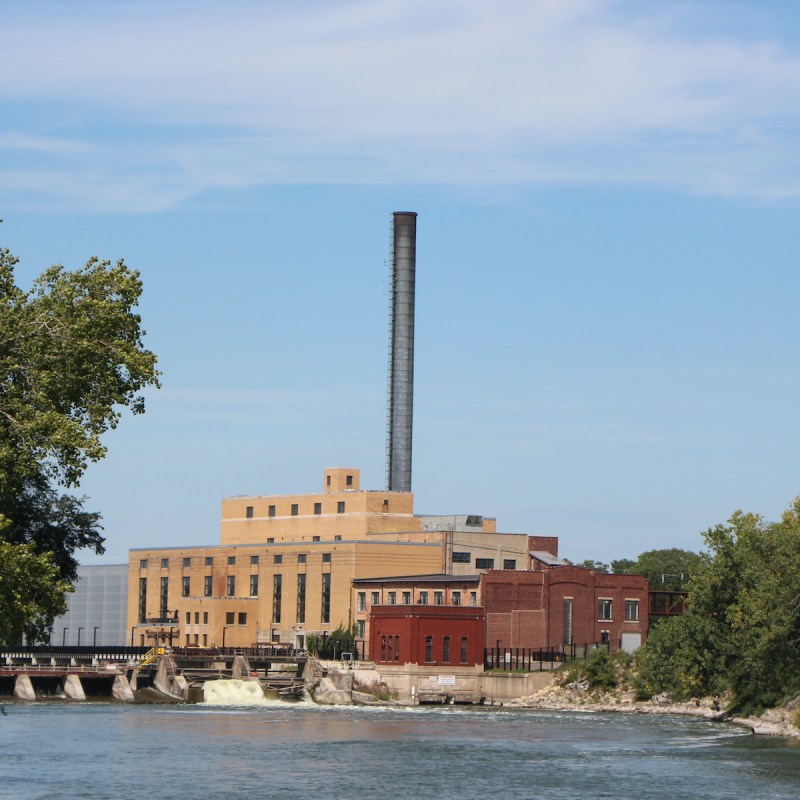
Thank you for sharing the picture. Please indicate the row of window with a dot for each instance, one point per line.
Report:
(406, 598)
(254, 560)
(605, 610)
(482, 563)
(277, 597)
(391, 648)
(294, 510)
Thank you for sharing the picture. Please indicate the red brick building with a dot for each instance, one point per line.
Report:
(564, 605)
(442, 635)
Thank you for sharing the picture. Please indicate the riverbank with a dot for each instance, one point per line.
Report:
(575, 697)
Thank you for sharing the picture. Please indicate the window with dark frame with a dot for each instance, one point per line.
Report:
(464, 649)
(340, 507)
(248, 512)
(509, 563)
(277, 559)
(456, 598)
(326, 558)
(604, 610)
(164, 563)
(231, 585)
(209, 561)
(254, 586)
(429, 649)
(142, 599)
(231, 560)
(207, 585)
(163, 613)
(243, 618)
(301, 558)
(277, 587)
(230, 617)
(142, 563)
(438, 598)
(253, 561)
(317, 508)
(484, 563)
(295, 509)
(462, 558)
(631, 611)
(187, 562)
(325, 616)
(446, 649)
(270, 511)
(301, 597)
(361, 601)
(185, 585)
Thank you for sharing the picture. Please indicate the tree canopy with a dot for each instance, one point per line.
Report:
(741, 627)
(72, 360)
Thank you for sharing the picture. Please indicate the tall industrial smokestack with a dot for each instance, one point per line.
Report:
(400, 410)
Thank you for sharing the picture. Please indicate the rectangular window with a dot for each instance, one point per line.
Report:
(231, 560)
(196, 617)
(348, 481)
(631, 611)
(464, 649)
(248, 512)
(326, 598)
(209, 561)
(438, 598)
(142, 599)
(326, 558)
(277, 559)
(207, 586)
(270, 540)
(243, 618)
(361, 628)
(509, 563)
(188, 617)
(396, 648)
(185, 586)
(317, 508)
(270, 511)
(406, 598)
(187, 562)
(295, 510)
(315, 538)
(375, 599)
(383, 648)
(361, 601)
(253, 561)
(423, 598)
(567, 637)
(473, 598)
(301, 558)
(456, 598)
(164, 563)
(392, 598)
(162, 606)
(446, 650)
(142, 563)
(604, 610)
(429, 649)
(389, 648)
(277, 586)
(231, 588)
(301, 598)
(205, 618)
(205, 640)
(340, 507)
(484, 563)
(461, 558)
(337, 538)
(254, 586)
(230, 617)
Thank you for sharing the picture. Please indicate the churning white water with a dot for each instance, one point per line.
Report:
(236, 693)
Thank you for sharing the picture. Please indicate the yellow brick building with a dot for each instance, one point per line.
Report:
(286, 564)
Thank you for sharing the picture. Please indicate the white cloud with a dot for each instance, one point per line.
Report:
(173, 99)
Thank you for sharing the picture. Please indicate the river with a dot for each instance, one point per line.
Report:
(273, 750)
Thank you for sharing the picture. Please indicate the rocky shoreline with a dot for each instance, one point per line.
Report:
(774, 722)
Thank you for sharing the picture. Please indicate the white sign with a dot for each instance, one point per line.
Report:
(447, 680)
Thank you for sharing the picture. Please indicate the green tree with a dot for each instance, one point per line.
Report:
(71, 360)
(668, 569)
(741, 629)
(31, 593)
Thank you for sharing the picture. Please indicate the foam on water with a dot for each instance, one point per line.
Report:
(236, 693)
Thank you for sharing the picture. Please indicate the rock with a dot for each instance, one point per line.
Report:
(662, 699)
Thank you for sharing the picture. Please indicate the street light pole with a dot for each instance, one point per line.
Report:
(79, 636)
(224, 630)
(64, 637)
(94, 638)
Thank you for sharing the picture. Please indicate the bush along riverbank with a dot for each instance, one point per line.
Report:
(612, 684)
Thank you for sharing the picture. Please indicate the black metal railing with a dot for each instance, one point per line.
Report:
(525, 659)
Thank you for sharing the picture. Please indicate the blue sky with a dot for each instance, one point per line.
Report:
(607, 249)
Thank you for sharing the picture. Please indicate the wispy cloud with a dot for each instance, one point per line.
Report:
(158, 102)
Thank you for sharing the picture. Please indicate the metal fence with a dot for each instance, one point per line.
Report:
(523, 659)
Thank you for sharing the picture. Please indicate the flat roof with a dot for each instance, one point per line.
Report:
(438, 578)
